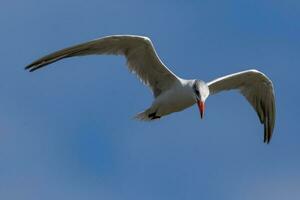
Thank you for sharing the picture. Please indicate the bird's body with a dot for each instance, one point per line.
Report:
(173, 94)
(179, 97)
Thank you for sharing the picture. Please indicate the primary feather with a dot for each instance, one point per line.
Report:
(258, 90)
(138, 50)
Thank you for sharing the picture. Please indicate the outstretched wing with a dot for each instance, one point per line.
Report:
(258, 90)
(138, 50)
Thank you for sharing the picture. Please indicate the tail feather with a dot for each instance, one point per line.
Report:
(143, 116)
(147, 115)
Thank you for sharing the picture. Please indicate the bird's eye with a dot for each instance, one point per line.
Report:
(197, 92)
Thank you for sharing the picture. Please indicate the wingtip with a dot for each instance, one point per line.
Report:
(28, 67)
(31, 68)
(267, 139)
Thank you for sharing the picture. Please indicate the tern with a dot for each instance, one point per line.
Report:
(172, 93)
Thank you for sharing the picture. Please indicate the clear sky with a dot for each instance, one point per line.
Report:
(66, 131)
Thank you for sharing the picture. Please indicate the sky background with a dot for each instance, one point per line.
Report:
(65, 133)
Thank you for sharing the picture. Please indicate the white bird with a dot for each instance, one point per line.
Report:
(173, 94)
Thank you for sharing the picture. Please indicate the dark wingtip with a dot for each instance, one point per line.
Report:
(29, 67)
(267, 139)
(32, 67)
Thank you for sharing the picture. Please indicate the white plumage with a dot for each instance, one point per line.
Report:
(173, 94)
(257, 88)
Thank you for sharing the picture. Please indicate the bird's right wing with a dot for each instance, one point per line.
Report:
(258, 90)
(138, 50)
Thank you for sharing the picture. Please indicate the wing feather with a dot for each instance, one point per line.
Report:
(139, 51)
(258, 90)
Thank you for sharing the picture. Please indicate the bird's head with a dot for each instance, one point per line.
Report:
(201, 92)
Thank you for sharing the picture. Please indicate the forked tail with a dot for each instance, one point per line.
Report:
(147, 115)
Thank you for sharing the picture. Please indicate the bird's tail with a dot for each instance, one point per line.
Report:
(143, 116)
(147, 115)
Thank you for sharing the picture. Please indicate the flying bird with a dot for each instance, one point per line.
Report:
(172, 93)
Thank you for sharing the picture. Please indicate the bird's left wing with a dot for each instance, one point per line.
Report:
(258, 90)
(141, 56)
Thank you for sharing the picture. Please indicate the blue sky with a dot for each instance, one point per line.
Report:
(64, 134)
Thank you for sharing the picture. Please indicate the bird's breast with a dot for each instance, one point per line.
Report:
(174, 100)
